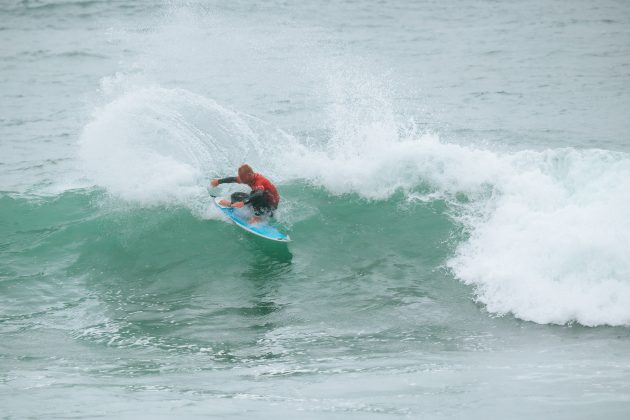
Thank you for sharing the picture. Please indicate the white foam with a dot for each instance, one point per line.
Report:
(553, 245)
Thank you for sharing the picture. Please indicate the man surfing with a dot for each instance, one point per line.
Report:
(263, 198)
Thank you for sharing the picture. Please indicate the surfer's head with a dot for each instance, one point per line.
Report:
(245, 173)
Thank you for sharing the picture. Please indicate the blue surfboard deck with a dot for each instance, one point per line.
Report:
(262, 229)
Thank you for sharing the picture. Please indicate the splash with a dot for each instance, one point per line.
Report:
(153, 146)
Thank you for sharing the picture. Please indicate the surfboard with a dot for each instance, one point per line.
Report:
(240, 218)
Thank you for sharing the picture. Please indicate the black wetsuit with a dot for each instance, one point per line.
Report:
(257, 199)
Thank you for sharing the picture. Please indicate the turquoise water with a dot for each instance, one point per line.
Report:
(455, 178)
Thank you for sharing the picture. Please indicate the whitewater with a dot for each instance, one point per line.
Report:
(455, 179)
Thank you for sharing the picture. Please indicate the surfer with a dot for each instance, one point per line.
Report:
(263, 198)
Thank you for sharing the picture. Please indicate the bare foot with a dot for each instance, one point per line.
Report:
(224, 202)
(254, 220)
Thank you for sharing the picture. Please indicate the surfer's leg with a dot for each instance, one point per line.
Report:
(262, 209)
(238, 196)
(261, 213)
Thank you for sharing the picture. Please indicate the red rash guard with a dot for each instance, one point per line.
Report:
(259, 183)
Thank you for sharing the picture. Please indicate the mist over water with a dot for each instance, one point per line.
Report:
(456, 189)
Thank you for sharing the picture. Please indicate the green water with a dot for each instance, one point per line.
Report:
(107, 303)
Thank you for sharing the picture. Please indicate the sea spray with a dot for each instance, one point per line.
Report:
(153, 145)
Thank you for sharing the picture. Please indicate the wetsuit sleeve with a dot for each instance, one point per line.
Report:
(253, 195)
(228, 180)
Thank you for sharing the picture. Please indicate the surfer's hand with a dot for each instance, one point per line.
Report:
(238, 204)
(214, 182)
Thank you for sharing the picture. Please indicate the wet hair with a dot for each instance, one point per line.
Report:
(245, 169)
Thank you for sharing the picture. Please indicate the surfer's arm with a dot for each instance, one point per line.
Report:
(228, 180)
(231, 179)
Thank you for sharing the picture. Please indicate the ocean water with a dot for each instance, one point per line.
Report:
(455, 176)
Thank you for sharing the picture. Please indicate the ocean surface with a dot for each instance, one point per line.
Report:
(455, 176)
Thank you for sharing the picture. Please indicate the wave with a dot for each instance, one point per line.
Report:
(547, 231)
